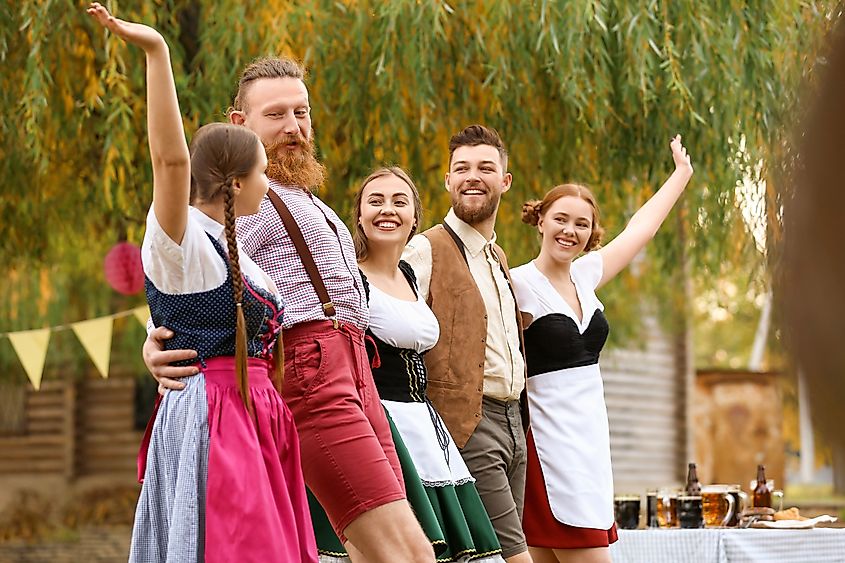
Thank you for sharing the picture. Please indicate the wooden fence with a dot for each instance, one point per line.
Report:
(74, 429)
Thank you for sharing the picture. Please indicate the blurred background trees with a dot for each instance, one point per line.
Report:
(581, 91)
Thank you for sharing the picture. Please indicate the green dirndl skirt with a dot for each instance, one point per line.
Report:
(451, 515)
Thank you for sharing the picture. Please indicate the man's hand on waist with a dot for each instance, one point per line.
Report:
(158, 360)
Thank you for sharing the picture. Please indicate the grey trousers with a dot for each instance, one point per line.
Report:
(496, 456)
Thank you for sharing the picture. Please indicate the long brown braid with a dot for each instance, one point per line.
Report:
(238, 292)
(221, 153)
(279, 363)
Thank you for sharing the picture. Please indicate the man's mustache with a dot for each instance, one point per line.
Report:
(288, 139)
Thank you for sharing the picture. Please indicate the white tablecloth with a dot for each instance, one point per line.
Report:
(819, 545)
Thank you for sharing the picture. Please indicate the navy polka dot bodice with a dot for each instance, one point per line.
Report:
(205, 321)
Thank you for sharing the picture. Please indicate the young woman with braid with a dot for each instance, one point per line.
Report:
(220, 462)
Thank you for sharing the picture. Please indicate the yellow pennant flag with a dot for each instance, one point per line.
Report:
(31, 347)
(95, 336)
(142, 313)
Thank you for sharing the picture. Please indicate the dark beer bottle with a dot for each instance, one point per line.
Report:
(693, 486)
(762, 496)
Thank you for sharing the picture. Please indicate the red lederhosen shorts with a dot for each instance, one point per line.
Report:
(348, 458)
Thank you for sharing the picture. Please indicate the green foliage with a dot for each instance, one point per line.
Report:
(581, 90)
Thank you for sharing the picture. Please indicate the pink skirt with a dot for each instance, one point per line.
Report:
(256, 509)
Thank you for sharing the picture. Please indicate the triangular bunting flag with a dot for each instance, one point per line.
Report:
(31, 347)
(142, 313)
(95, 336)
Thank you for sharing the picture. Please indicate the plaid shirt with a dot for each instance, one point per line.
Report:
(265, 239)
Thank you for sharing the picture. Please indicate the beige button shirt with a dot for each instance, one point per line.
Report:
(504, 367)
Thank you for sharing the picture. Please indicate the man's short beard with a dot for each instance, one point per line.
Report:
(298, 167)
(475, 215)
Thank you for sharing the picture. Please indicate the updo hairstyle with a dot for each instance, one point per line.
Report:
(533, 210)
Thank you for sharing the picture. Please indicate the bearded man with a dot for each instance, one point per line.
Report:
(476, 372)
(348, 457)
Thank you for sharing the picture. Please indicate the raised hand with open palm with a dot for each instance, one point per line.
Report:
(168, 148)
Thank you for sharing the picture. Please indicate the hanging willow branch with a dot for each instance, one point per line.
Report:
(586, 90)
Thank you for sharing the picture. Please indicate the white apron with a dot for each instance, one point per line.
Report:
(413, 420)
(571, 434)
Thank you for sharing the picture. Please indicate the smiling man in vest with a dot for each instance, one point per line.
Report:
(476, 371)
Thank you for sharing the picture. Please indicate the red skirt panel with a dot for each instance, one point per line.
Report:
(541, 528)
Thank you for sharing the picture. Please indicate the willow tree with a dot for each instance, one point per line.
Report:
(581, 90)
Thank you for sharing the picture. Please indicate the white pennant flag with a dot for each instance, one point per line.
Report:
(31, 348)
(95, 336)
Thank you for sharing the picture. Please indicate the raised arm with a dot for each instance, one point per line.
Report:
(168, 148)
(644, 224)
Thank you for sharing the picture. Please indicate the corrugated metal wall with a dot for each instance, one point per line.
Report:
(645, 393)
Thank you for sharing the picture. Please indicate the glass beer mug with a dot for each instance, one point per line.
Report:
(651, 509)
(719, 506)
(741, 500)
(667, 508)
(626, 509)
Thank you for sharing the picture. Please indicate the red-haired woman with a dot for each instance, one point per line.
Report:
(569, 485)
(221, 471)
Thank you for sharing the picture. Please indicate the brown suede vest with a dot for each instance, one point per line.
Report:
(456, 364)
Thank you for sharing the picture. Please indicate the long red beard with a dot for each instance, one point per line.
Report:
(297, 167)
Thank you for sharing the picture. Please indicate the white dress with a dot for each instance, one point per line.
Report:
(566, 395)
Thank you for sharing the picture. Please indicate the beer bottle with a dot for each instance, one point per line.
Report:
(762, 496)
(693, 486)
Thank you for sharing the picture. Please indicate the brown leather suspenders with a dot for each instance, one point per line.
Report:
(304, 253)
